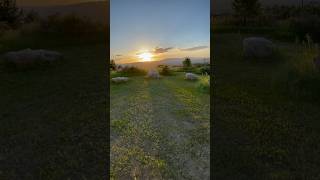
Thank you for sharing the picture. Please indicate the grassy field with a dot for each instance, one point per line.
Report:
(266, 113)
(159, 129)
(53, 118)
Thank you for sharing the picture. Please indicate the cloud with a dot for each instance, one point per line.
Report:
(194, 48)
(118, 55)
(158, 50)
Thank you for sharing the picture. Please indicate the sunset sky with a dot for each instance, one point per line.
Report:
(160, 29)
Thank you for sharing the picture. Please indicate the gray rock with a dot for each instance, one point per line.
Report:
(191, 76)
(257, 47)
(153, 74)
(119, 79)
(29, 57)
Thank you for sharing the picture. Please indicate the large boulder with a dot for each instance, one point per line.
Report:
(119, 79)
(153, 74)
(257, 47)
(191, 76)
(29, 57)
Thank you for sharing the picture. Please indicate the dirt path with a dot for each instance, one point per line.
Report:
(160, 130)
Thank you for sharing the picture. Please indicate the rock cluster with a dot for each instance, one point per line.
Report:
(119, 79)
(29, 57)
(191, 76)
(153, 74)
(257, 47)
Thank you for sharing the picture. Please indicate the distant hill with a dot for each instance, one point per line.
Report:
(169, 62)
(225, 6)
(50, 2)
(97, 11)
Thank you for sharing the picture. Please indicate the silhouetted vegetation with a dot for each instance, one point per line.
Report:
(187, 65)
(282, 22)
(205, 69)
(70, 25)
(165, 71)
(245, 9)
(31, 17)
(128, 71)
(9, 12)
(113, 65)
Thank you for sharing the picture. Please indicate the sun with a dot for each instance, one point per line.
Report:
(145, 56)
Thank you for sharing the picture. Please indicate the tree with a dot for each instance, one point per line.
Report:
(9, 12)
(186, 63)
(246, 9)
(31, 16)
(113, 65)
(165, 70)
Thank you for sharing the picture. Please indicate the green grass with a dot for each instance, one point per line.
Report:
(161, 129)
(53, 118)
(262, 130)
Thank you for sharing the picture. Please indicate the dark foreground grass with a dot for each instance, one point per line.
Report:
(53, 118)
(262, 130)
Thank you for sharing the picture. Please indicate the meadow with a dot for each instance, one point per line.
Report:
(160, 128)
(53, 117)
(266, 112)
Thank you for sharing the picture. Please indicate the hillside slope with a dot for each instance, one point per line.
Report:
(225, 6)
(97, 11)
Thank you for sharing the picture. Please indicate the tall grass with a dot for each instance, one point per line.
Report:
(300, 75)
(204, 83)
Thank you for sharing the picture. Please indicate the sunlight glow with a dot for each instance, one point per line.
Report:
(145, 56)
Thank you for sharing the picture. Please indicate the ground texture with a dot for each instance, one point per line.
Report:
(159, 129)
(261, 130)
(53, 119)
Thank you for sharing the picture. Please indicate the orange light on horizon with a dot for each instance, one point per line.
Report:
(146, 56)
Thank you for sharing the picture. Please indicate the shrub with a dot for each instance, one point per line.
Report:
(9, 12)
(245, 9)
(204, 83)
(131, 71)
(70, 25)
(205, 70)
(186, 63)
(165, 71)
(310, 25)
(113, 65)
(31, 17)
(300, 78)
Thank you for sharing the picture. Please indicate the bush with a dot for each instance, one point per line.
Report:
(300, 77)
(131, 71)
(205, 70)
(31, 17)
(186, 63)
(10, 13)
(113, 65)
(204, 83)
(310, 25)
(70, 25)
(165, 71)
